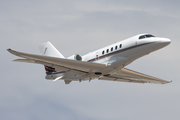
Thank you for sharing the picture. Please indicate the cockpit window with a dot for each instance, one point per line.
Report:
(146, 36)
(142, 37)
(149, 36)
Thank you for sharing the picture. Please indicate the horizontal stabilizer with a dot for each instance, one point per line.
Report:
(24, 60)
(58, 78)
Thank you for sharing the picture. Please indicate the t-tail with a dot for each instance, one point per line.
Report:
(47, 49)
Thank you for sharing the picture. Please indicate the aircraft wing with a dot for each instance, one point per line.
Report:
(126, 75)
(59, 63)
(80, 67)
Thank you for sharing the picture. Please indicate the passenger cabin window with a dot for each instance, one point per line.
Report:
(120, 45)
(103, 52)
(107, 50)
(112, 49)
(116, 47)
(96, 56)
(146, 36)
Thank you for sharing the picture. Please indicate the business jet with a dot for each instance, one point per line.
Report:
(106, 63)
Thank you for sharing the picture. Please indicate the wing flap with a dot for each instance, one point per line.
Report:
(119, 80)
(126, 75)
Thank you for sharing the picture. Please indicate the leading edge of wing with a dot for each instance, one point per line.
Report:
(127, 75)
(72, 64)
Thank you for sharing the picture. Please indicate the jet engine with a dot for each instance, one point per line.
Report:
(75, 57)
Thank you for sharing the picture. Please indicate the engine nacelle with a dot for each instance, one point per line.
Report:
(75, 57)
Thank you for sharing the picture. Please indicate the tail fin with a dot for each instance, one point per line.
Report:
(47, 49)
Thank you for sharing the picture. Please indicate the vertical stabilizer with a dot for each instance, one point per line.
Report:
(47, 49)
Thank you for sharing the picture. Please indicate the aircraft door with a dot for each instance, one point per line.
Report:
(97, 56)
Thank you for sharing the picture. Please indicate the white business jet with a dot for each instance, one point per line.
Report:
(103, 64)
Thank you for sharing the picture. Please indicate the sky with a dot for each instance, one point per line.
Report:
(79, 27)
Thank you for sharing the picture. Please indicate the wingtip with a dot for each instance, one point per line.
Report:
(168, 82)
(8, 49)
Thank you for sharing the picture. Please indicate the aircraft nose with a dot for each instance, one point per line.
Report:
(165, 41)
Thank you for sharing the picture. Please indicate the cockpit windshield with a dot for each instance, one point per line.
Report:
(146, 36)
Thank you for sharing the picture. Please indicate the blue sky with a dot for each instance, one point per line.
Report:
(81, 27)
